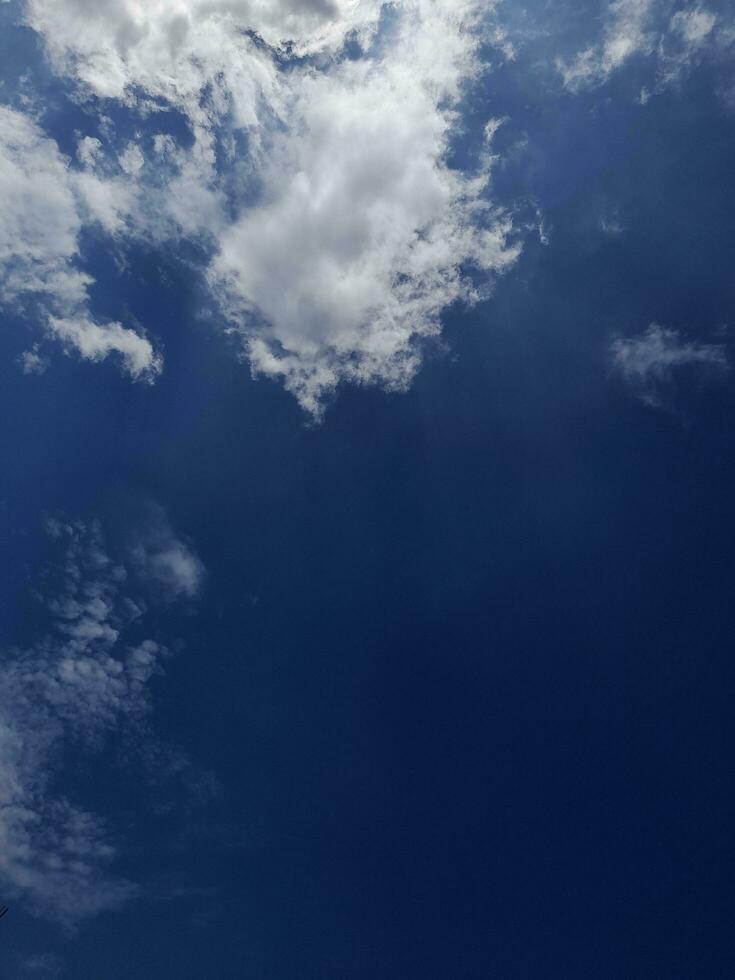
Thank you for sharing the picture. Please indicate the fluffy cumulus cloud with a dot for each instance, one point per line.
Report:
(361, 232)
(42, 217)
(650, 362)
(171, 47)
(675, 37)
(339, 233)
(72, 691)
(40, 226)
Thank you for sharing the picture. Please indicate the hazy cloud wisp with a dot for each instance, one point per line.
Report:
(39, 256)
(73, 690)
(650, 361)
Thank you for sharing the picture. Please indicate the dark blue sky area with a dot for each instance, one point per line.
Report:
(463, 663)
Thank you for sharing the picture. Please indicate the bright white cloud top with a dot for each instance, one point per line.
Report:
(357, 242)
(350, 233)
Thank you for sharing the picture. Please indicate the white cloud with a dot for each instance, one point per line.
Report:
(626, 31)
(96, 341)
(643, 27)
(350, 234)
(76, 687)
(361, 233)
(39, 256)
(693, 25)
(610, 224)
(165, 561)
(32, 362)
(650, 361)
(682, 45)
(38, 233)
(167, 47)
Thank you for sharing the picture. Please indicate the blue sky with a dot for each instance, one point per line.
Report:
(366, 498)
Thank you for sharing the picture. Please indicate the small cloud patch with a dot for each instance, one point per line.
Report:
(650, 362)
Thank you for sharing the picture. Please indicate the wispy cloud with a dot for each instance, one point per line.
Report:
(626, 31)
(650, 362)
(41, 965)
(77, 687)
(610, 224)
(674, 38)
(39, 254)
(33, 362)
(164, 560)
(690, 33)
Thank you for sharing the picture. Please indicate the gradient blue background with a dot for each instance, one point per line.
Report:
(463, 666)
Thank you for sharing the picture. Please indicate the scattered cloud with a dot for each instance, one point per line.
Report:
(96, 341)
(82, 683)
(39, 255)
(338, 231)
(32, 362)
(165, 561)
(610, 224)
(170, 49)
(693, 25)
(650, 362)
(674, 38)
(626, 31)
(689, 34)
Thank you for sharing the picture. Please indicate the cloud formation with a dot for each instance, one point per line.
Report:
(164, 561)
(31, 362)
(674, 38)
(339, 233)
(362, 232)
(650, 361)
(72, 691)
(626, 31)
(39, 253)
(170, 48)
